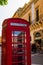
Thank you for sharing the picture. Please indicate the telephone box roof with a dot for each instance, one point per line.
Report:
(16, 20)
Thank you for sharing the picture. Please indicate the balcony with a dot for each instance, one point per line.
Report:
(37, 24)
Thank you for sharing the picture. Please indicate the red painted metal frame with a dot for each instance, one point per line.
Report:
(9, 30)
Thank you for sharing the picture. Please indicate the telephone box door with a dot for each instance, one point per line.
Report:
(19, 52)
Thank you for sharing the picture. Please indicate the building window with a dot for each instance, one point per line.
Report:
(37, 15)
(37, 34)
(29, 19)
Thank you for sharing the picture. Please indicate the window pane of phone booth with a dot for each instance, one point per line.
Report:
(19, 48)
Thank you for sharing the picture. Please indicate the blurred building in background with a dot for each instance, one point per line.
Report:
(33, 13)
(0, 40)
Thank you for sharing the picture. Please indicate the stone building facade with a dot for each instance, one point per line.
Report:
(33, 13)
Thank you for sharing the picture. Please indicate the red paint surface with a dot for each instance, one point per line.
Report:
(7, 44)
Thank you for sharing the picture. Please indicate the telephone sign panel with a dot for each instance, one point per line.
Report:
(16, 42)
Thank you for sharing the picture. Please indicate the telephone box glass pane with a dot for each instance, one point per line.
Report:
(19, 56)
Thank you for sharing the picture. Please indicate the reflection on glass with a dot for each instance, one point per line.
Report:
(18, 47)
(18, 36)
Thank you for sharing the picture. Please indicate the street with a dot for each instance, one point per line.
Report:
(37, 59)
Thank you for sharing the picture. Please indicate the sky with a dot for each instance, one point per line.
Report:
(7, 11)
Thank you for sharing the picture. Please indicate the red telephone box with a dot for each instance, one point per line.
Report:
(16, 42)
